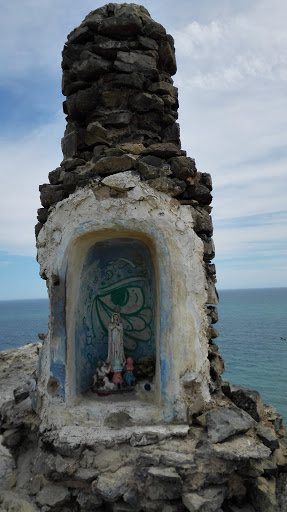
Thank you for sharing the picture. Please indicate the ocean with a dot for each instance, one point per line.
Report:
(253, 341)
(253, 337)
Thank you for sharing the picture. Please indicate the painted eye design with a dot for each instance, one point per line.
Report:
(135, 316)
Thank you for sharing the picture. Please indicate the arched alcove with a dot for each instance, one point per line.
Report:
(85, 229)
(108, 272)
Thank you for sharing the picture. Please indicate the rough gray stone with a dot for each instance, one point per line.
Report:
(263, 495)
(56, 176)
(249, 400)
(118, 119)
(213, 314)
(208, 500)
(154, 30)
(89, 502)
(122, 181)
(198, 192)
(167, 58)
(136, 62)
(86, 474)
(245, 508)
(171, 134)
(21, 393)
(113, 164)
(95, 133)
(281, 491)
(163, 88)
(159, 490)
(144, 439)
(80, 35)
(242, 448)
(71, 163)
(81, 102)
(118, 27)
(268, 437)
(183, 167)
(150, 172)
(90, 66)
(108, 460)
(171, 187)
(6, 466)
(163, 473)
(273, 416)
(143, 102)
(212, 332)
(12, 502)
(111, 486)
(202, 221)
(109, 48)
(164, 150)
(53, 495)
(208, 247)
(130, 10)
(12, 437)
(70, 144)
(42, 215)
(133, 80)
(51, 194)
(147, 43)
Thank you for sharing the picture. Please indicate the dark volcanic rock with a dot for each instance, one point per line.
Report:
(51, 194)
(90, 66)
(249, 400)
(120, 27)
(136, 62)
(268, 437)
(113, 164)
(226, 422)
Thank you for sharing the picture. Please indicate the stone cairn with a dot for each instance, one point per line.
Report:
(122, 115)
(121, 111)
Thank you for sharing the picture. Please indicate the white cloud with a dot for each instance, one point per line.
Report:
(228, 52)
(23, 167)
(232, 78)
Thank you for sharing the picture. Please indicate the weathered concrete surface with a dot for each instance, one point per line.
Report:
(92, 214)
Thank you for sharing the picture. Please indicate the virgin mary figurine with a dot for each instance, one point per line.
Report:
(116, 342)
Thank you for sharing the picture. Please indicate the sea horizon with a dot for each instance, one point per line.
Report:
(218, 290)
(252, 337)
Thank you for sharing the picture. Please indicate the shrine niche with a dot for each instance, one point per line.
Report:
(117, 276)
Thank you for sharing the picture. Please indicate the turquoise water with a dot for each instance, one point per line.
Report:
(253, 337)
(253, 341)
(21, 321)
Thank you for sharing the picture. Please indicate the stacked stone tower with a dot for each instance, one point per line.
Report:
(122, 115)
(122, 144)
(126, 227)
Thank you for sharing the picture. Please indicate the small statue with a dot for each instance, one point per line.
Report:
(129, 376)
(117, 371)
(101, 373)
(107, 384)
(115, 342)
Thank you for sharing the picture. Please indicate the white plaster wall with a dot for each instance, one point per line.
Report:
(91, 214)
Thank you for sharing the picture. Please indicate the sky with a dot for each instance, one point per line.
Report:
(232, 74)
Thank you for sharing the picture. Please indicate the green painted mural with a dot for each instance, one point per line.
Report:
(118, 274)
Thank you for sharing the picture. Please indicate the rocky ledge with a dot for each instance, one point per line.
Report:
(229, 458)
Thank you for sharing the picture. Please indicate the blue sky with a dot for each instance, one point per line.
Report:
(232, 74)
